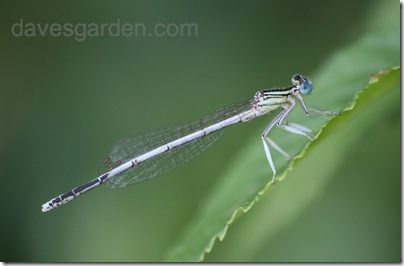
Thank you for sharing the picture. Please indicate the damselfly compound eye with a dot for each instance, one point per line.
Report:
(306, 87)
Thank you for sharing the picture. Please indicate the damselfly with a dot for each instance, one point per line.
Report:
(141, 158)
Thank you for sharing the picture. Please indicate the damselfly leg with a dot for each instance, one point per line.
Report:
(281, 121)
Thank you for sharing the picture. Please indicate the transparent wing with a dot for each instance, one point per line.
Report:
(132, 147)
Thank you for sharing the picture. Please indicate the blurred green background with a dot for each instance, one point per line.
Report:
(64, 103)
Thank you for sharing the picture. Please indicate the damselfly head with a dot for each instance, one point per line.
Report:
(305, 86)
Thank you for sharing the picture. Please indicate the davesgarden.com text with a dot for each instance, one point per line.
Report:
(81, 31)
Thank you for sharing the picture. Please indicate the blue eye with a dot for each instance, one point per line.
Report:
(306, 87)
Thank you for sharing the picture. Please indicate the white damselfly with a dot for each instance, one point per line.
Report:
(140, 158)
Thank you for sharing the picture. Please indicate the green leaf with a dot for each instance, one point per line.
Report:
(342, 84)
